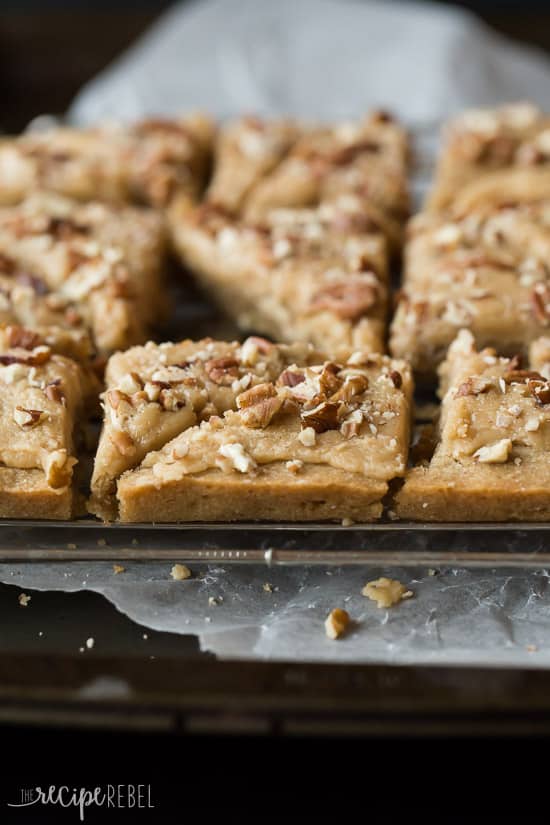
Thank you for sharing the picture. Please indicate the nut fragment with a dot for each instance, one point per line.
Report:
(55, 393)
(307, 437)
(222, 371)
(27, 418)
(239, 458)
(540, 390)
(123, 442)
(348, 300)
(322, 417)
(58, 468)
(497, 453)
(180, 572)
(337, 622)
(386, 592)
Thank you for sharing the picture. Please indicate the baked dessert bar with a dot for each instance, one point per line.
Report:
(82, 266)
(315, 442)
(367, 159)
(316, 275)
(499, 155)
(246, 150)
(491, 460)
(44, 396)
(486, 271)
(157, 391)
(146, 162)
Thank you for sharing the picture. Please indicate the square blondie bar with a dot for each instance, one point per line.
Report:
(317, 275)
(318, 442)
(493, 437)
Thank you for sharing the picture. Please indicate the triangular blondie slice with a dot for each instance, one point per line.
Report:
(499, 155)
(246, 150)
(157, 391)
(91, 266)
(145, 162)
(316, 275)
(317, 442)
(491, 460)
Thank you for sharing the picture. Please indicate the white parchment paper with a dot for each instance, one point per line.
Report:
(326, 59)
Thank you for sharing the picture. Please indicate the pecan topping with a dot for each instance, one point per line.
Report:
(116, 397)
(396, 378)
(540, 390)
(349, 300)
(259, 405)
(329, 381)
(21, 337)
(37, 284)
(540, 303)
(353, 386)
(123, 442)
(288, 378)
(521, 376)
(322, 417)
(222, 371)
(64, 229)
(348, 154)
(7, 265)
(55, 393)
(261, 414)
(255, 394)
(35, 358)
(27, 418)
(473, 386)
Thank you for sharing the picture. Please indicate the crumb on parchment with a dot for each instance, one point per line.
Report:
(386, 592)
(118, 568)
(179, 572)
(336, 623)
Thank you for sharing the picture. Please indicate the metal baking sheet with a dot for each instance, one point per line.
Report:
(392, 544)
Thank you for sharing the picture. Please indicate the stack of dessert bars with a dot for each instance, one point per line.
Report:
(292, 229)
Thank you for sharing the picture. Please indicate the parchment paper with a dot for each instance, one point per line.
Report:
(327, 59)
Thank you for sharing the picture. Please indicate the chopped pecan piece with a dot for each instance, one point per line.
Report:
(353, 386)
(289, 378)
(7, 265)
(116, 397)
(396, 378)
(329, 381)
(473, 386)
(64, 229)
(350, 153)
(222, 371)
(27, 418)
(521, 376)
(540, 303)
(540, 390)
(349, 299)
(34, 358)
(37, 284)
(24, 338)
(322, 417)
(54, 392)
(123, 442)
(259, 405)
(255, 395)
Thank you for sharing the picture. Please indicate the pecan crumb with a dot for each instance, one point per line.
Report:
(337, 622)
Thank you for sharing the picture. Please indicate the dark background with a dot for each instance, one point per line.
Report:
(49, 48)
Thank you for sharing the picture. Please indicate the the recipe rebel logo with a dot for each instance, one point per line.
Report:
(102, 796)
